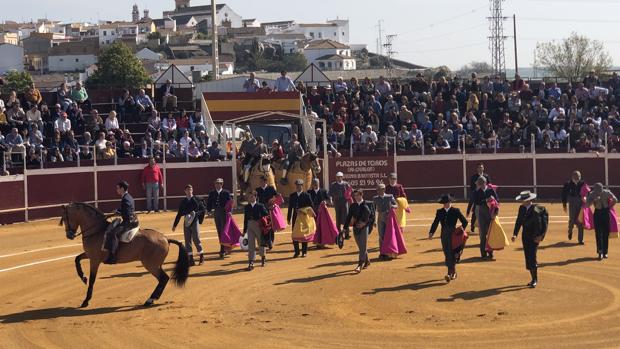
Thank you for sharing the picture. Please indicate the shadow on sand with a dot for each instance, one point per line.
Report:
(408, 287)
(473, 295)
(64, 312)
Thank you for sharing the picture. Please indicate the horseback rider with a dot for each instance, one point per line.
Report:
(294, 154)
(260, 149)
(129, 221)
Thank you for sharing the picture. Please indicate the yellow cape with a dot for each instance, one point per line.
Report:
(401, 213)
(496, 238)
(305, 225)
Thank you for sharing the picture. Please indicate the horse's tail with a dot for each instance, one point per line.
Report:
(181, 269)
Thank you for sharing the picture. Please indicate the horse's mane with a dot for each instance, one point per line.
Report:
(91, 208)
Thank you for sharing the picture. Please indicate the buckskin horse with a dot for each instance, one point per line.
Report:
(148, 246)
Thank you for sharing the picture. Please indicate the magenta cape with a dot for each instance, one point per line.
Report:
(326, 230)
(277, 218)
(231, 232)
(586, 216)
(613, 220)
(459, 238)
(393, 241)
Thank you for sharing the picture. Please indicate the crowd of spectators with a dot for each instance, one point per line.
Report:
(73, 129)
(475, 113)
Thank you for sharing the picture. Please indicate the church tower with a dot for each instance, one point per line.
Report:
(135, 14)
(181, 4)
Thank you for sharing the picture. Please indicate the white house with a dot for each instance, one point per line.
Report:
(202, 64)
(330, 55)
(107, 34)
(336, 30)
(225, 14)
(291, 43)
(148, 55)
(12, 58)
(73, 56)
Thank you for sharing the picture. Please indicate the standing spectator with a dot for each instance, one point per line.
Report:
(283, 83)
(167, 95)
(251, 84)
(152, 182)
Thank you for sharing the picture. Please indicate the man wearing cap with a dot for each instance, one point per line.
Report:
(479, 203)
(533, 232)
(298, 200)
(571, 195)
(383, 204)
(216, 202)
(191, 208)
(448, 217)
(472, 186)
(129, 221)
(602, 199)
(358, 217)
(266, 195)
(253, 212)
(395, 189)
(338, 192)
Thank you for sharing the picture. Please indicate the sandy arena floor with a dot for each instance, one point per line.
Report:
(316, 302)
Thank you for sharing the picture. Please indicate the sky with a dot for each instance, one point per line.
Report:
(429, 33)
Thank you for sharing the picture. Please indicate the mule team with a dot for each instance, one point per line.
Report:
(311, 222)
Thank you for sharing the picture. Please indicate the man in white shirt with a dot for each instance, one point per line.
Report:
(252, 84)
(185, 140)
(62, 124)
(555, 112)
(369, 138)
(284, 83)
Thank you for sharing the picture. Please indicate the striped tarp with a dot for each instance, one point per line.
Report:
(225, 106)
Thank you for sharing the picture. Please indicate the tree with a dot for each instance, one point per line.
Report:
(119, 67)
(573, 57)
(295, 62)
(480, 68)
(16, 81)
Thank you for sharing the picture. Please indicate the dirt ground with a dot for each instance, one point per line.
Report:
(316, 302)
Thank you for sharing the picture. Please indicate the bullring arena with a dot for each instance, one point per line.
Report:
(317, 301)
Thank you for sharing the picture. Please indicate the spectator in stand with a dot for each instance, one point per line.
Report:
(339, 129)
(340, 86)
(126, 107)
(63, 96)
(12, 99)
(154, 122)
(356, 139)
(169, 127)
(185, 140)
(167, 95)
(193, 152)
(32, 96)
(183, 122)
(93, 122)
(283, 83)
(264, 87)
(2, 106)
(33, 159)
(215, 153)
(403, 138)
(16, 116)
(62, 124)
(14, 140)
(126, 151)
(85, 153)
(33, 117)
(68, 154)
(383, 87)
(109, 152)
(152, 182)
(369, 139)
(591, 80)
(252, 84)
(35, 138)
(87, 140)
(100, 143)
(55, 155)
(80, 96)
(143, 102)
(111, 122)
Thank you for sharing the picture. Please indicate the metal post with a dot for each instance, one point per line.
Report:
(514, 25)
(214, 50)
(325, 157)
(165, 177)
(568, 143)
(606, 160)
(464, 157)
(95, 180)
(25, 185)
(78, 156)
(234, 165)
(534, 170)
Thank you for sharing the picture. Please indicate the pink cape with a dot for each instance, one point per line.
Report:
(459, 238)
(613, 218)
(326, 230)
(348, 194)
(277, 218)
(587, 214)
(393, 241)
(231, 232)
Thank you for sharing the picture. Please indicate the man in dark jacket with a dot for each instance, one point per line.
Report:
(129, 221)
(298, 200)
(191, 208)
(253, 212)
(533, 232)
(167, 95)
(448, 216)
(216, 202)
(358, 217)
(472, 186)
(571, 195)
(479, 203)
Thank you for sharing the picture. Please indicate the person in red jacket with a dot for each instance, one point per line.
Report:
(394, 188)
(152, 183)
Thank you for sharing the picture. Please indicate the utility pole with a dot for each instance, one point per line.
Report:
(214, 51)
(514, 31)
(497, 38)
(389, 39)
(380, 38)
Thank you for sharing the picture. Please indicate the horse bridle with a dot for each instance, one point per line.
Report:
(69, 231)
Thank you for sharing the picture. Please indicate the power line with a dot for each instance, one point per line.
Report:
(389, 39)
(479, 43)
(570, 20)
(449, 19)
(497, 38)
(445, 34)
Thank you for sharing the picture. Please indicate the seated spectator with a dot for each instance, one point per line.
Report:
(80, 96)
(215, 153)
(32, 96)
(55, 155)
(441, 143)
(383, 87)
(369, 139)
(356, 139)
(126, 107)
(340, 86)
(264, 87)
(87, 140)
(339, 128)
(182, 122)
(196, 124)
(193, 152)
(109, 152)
(35, 138)
(63, 96)
(126, 151)
(144, 151)
(33, 116)
(12, 99)
(2, 106)
(185, 140)
(251, 84)
(143, 102)
(169, 127)
(111, 122)
(4, 122)
(70, 141)
(85, 153)
(62, 124)
(16, 116)
(171, 148)
(68, 153)
(404, 138)
(100, 143)
(33, 160)
(167, 95)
